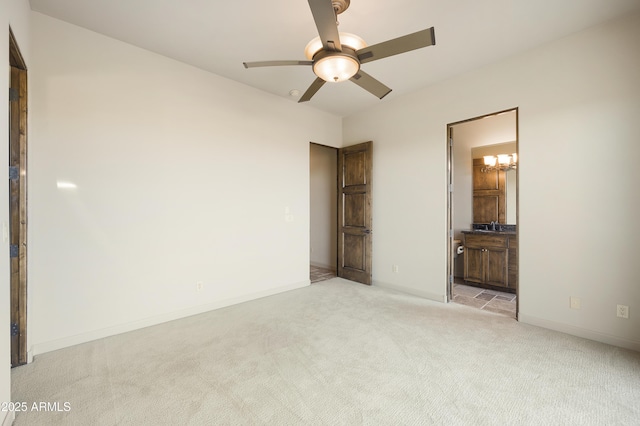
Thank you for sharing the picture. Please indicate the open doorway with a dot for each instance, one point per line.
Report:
(323, 166)
(341, 217)
(483, 212)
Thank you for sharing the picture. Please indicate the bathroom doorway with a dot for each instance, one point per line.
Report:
(483, 212)
(323, 207)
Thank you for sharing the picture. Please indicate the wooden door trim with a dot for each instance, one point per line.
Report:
(18, 202)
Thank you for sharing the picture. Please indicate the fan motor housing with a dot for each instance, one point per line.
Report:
(340, 5)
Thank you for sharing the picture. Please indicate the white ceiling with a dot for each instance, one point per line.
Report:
(219, 36)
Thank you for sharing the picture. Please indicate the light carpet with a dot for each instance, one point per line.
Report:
(336, 353)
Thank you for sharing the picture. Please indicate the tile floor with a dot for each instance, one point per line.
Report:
(321, 274)
(488, 300)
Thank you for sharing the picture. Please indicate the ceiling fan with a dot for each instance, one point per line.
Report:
(337, 56)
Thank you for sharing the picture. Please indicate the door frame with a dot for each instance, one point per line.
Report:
(18, 202)
(450, 203)
(340, 272)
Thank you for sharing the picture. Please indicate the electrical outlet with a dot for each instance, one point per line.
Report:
(395, 268)
(623, 311)
(575, 303)
(199, 286)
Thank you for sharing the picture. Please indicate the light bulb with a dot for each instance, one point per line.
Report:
(489, 160)
(504, 159)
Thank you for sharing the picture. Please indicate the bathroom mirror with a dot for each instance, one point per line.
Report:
(507, 178)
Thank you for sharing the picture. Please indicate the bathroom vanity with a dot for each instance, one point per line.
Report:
(491, 259)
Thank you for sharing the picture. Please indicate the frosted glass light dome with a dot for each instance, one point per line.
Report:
(335, 66)
(346, 39)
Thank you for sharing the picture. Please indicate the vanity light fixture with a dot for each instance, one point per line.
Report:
(501, 162)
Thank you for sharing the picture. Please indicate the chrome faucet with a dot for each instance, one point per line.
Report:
(493, 225)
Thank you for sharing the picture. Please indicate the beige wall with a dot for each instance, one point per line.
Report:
(579, 100)
(323, 214)
(182, 177)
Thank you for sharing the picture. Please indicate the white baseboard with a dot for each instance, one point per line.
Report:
(9, 417)
(53, 345)
(322, 265)
(412, 291)
(580, 332)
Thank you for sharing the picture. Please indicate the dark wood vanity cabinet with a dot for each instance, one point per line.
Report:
(490, 259)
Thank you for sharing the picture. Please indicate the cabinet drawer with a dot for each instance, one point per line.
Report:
(476, 240)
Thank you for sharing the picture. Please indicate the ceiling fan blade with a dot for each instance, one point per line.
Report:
(370, 84)
(274, 63)
(315, 86)
(326, 22)
(398, 45)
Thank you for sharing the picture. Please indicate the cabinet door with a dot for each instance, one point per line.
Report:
(488, 208)
(489, 194)
(473, 264)
(497, 262)
(486, 181)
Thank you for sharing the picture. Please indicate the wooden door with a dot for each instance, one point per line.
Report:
(354, 212)
(18, 203)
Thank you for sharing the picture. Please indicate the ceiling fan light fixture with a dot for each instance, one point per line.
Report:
(335, 56)
(346, 39)
(313, 47)
(352, 41)
(335, 67)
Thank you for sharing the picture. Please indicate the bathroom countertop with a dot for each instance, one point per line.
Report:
(483, 232)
